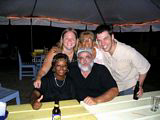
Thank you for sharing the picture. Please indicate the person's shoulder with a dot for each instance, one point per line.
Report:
(48, 75)
(99, 66)
(51, 51)
(124, 46)
(73, 68)
(68, 77)
(54, 49)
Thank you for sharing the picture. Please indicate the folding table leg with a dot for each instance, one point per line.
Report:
(17, 98)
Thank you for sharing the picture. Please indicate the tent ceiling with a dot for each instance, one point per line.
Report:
(79, 13)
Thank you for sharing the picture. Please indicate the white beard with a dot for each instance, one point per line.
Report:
(86, 68)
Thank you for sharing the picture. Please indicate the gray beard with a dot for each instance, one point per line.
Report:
(87, 68)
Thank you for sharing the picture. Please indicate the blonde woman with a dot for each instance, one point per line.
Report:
(68, 45)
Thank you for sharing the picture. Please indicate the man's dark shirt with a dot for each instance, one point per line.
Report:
(96, 83)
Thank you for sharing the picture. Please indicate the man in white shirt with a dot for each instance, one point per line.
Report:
(126, 65)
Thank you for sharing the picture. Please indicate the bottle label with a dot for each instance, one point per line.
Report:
(56, 117)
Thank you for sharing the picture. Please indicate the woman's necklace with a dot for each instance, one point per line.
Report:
(57, 82)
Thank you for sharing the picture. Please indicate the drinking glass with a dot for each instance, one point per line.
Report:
(155, 103)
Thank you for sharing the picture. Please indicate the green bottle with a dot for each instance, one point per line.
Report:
(136, 89)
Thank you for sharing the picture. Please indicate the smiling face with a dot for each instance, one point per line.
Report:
(86, 39)
(60, 67)
(85, 61)
(105, 41)
(87, 42)
(69, 40)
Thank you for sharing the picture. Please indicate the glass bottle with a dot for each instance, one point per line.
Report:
(136, 89)
(56, 112)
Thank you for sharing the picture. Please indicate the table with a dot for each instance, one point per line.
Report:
(70, 110)
(7, 94)
(125, 108)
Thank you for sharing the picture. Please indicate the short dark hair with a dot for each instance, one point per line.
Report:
(59, 56)
(104, 27)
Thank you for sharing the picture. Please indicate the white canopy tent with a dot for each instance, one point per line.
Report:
(125, 15)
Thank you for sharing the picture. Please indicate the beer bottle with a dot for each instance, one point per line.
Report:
(136, 89)
(56, 112)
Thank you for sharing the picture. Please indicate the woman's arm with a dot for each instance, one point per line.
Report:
(46, 66)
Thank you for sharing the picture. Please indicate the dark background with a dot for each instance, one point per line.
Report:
(147, 43)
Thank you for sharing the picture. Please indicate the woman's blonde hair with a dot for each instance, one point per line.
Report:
(60, 44)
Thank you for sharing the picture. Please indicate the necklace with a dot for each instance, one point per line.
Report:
(57, 82)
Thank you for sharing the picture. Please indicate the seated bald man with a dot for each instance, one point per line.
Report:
(93, 82)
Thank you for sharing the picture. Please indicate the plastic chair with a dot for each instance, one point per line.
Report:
(9, 94)
(38, 60)
(26, 69)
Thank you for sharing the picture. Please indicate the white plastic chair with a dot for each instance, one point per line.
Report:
(9, 94)
(26, 69)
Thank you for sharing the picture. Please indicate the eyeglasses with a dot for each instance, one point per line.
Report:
(85, 58)
(86, 40)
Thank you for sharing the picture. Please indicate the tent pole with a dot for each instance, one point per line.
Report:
(156, 4)
(35, 3)
(31, 37)
(99, 11)
(86, 28)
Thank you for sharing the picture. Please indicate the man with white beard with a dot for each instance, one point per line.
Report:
(93, 82)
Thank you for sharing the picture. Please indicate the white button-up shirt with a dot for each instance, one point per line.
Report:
(125, 65)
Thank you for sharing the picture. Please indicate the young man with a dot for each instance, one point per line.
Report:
(93, 82)
(126, 65)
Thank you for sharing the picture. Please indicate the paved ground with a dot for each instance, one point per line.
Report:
(9, 79)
